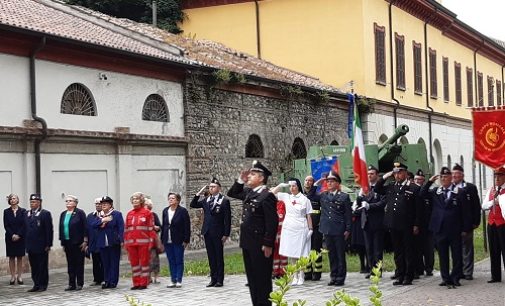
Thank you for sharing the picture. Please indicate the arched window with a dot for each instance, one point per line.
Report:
(78, 100)
(438, 155)
(254, 147)
(334, 143)
(155, 109)
(298, 149)
(382, 139)
(449, 161)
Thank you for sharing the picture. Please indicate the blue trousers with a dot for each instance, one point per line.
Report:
(110, 261)
(175, 256)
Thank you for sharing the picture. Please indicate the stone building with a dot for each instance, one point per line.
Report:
(94, 105)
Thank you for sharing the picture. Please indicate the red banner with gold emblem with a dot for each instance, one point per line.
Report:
(489, 136)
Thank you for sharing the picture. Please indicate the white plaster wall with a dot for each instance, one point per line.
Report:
(14, 86)
(119, 99)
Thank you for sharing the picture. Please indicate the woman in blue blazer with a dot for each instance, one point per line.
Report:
(15, 230)
(109, 240)
(74, 239)
(175, 234)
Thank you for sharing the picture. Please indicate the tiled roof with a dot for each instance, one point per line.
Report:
(500, 42)
(81, 24)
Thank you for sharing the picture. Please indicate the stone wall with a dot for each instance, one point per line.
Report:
(218, 123)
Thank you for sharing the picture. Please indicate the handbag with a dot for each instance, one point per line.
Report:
(160, 248)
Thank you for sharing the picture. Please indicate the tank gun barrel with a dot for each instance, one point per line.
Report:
(399, 132)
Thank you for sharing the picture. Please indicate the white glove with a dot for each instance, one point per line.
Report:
(360, 193)
(309, 234)
(387, 175)
(365, 205)
(354, 206)
(283, 185)
(201, 190)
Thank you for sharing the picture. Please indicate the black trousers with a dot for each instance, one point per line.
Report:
(97, 267)
(214, 246)
(428, 251)
(336, 254)
(316, 243)
(258, 270)
(496, 238)
(403, 248)
(444, 243)
(75, 264)
(374, 244)
(39, 266)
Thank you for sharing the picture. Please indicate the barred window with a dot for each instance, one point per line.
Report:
(469, 86)
(418, 68)
(400, 61)
(254, 147)
(78, 100)
(433, 73)
(298, 149)
(445, 72)
(457, 80)
(498, 93)
(155, 109)
(380, 54)
(480, 89)
(490, 91)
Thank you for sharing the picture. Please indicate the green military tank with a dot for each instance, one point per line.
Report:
(381, 156)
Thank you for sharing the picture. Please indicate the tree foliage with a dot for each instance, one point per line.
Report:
(169, 12)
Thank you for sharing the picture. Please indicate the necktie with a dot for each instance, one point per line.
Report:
(211, 202)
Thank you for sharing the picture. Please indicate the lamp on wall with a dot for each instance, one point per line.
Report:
(102, 76)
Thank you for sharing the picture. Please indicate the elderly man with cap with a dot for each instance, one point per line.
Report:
(450, 219)
(335, 226)
(313, 270)
(372, 206)
(110, 226)
(39, 240)
(473, 200)
(257, 229)
(495, 203)
(92, 250)
(215, 229)
(401, 217)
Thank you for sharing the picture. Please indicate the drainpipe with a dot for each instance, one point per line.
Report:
(430, 114)
(33, 103)
(258, 37)
(476, 85)
(395, 108)
(502, 87)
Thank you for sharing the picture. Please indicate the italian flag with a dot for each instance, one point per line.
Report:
(358, 150)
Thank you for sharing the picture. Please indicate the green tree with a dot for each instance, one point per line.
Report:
(169, 12)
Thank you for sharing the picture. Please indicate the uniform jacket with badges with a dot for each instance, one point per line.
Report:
(450, 214)
(180, 227)
(77, 227)
(489, 201)
(472, 199)
(39, 231)
(314, 198)
(139, 228)
(92, 231)
(403, 204)
(373, 217)
(336, 213)
(217, 215)
(259, 216)
(111, 233)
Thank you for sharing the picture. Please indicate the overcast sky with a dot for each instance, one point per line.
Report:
(486, 16)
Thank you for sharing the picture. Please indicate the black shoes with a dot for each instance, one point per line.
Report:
(429, 273)
(468, 277)
(141, 287)
(493, 281)
(135, 288)
(339, 284)
(332, 282)
(444, 283)
(456, 283)
(211, 284)
(70, 288)
(316, 276)
(12, 282)
(407, 282)
(218, 284)
(398, 282)
(34, 289)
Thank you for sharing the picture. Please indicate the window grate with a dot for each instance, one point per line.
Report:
(78, 100)
(298, 149)
(254, 147)
(155, 109)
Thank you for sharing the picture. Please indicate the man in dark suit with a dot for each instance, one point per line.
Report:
(425, 247)
(372, 219)
(401, 217)
(473, 200)
(215, 229)
(257, 230)
(313, 271)
(450, 220)
(335, 226)
(93, 250)
(39, 240)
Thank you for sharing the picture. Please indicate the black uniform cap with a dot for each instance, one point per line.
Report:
(420, 173)
(258, 167)
(106, 199)
(214, 180)
(35, 196)
(399, 166)
(457, 167)
(372, 167)
(445, 171)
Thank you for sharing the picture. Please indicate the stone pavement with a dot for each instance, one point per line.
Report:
(193, 292)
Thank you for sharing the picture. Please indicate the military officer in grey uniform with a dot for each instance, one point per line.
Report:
(401, 217)
(335, 226)
(257, 230)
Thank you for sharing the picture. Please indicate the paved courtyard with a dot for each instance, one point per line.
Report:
(424, 291)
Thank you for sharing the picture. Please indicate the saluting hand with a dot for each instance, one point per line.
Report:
(201, 190)
(387, 175)
(434, 178)
(243, 175)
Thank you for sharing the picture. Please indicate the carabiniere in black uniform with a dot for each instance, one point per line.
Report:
(313, 271)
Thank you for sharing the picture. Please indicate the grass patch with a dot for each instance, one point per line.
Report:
(235, 265)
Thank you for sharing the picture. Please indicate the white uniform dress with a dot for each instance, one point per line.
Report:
(294, 241)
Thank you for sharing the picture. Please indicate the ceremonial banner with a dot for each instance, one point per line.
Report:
(321, 166)
(358, 151)
(489, 136)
